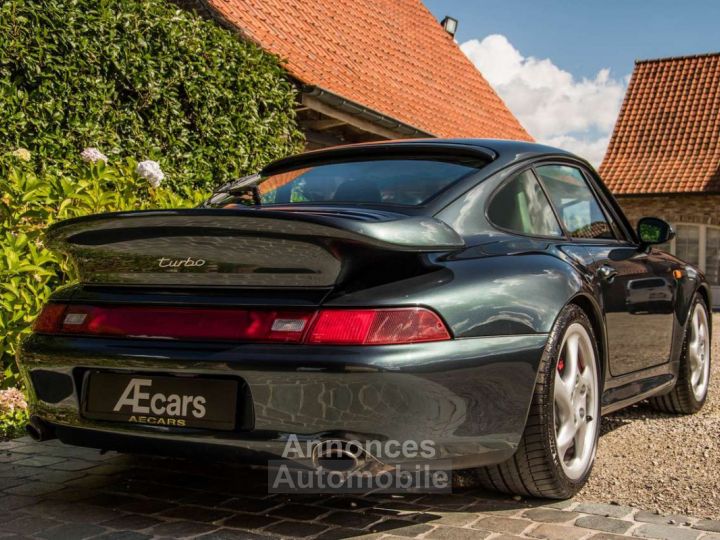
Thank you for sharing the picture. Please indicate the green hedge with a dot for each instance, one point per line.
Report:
(140, 78)
(29, 204)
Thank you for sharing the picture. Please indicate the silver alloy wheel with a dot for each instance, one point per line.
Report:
(699, 352)
(575, 394)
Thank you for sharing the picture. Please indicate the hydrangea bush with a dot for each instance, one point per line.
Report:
(150, 171)
(28, 205)
(93, 155)
(13, 412)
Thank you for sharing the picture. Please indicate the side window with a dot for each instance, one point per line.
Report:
(575, 203)
(521, 206)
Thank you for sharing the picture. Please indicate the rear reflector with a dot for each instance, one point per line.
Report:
(324, 327)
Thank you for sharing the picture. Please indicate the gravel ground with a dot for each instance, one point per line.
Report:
(669, 464)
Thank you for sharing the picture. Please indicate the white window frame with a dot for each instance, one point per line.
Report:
(702, 252)
(702, 241)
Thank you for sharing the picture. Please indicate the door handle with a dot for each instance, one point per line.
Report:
(606, 272)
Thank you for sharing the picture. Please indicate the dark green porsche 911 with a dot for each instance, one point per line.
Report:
(487, 297)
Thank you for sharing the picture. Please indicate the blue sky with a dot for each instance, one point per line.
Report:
(562, 65)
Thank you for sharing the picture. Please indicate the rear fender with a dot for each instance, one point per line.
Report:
(484, 296)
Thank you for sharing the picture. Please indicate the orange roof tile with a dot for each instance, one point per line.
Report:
(391, 56)
(667, 137)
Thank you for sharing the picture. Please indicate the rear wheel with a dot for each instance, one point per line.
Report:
(557, 449)
(690, 391)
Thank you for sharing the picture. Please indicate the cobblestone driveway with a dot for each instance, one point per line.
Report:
(51, 491)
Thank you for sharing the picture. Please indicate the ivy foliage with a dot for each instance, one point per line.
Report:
(140, 78)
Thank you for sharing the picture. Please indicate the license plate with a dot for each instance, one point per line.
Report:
(162, 401)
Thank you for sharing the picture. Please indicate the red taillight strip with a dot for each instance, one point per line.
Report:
(324, 327)
(377, 327)
(179, 323)
(50, 319)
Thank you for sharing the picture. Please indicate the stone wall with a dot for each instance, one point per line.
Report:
(681, 208)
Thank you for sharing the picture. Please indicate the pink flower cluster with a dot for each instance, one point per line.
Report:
(93, 155)
(12, 399)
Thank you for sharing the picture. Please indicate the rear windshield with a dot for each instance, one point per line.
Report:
(406, 182)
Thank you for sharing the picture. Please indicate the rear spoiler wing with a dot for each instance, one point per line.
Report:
(396, 233)
(245, 247)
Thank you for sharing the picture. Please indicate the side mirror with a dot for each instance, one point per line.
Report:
(652, 231)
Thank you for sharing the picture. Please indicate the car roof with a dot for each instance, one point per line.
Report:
(503, 147)
(497, 153)
(505, 151)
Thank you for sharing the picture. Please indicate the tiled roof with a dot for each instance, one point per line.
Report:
(667, 138)
(391, 56)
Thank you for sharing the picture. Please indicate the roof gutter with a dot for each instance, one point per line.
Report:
(360, 111)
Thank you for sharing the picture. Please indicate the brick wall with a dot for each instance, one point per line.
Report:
(704, 209)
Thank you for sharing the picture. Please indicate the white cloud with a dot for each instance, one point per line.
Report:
(555, 107)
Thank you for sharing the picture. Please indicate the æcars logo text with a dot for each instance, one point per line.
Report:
(142, 403)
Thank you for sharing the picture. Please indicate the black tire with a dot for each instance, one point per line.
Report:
(681, 399)
(535, 469)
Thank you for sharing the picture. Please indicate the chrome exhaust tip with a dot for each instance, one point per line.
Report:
(39, 430)
(338, 456)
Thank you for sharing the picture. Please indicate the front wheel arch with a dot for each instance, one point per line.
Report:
(704, 291)
(681, 399)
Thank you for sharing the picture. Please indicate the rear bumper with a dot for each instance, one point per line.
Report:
(470, 397)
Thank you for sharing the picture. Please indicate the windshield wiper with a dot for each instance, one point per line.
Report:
(244, 188)
(243, 182)
(241, 192)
